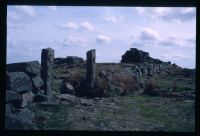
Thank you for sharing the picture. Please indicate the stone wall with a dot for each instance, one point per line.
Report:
(23, 81)
(24, 77)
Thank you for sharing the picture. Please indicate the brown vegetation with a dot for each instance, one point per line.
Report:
(76, 78)
(127, 82)
(149, 88)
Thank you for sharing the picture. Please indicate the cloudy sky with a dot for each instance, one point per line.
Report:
(166, 33)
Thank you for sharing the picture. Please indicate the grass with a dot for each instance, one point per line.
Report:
(132, 112)
(165, 83)
(140, 112)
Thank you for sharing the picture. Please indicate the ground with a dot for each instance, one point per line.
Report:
(128, 113)
(136, 112)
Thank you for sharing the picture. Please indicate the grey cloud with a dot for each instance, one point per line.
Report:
(178, 15)
(192, 40)
(167, 43)
(103, 39)
(147, 34)
(147, 37)
(169, 13)
(72, 41)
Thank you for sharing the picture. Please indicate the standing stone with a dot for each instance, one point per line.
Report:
(47, 62)
(91, 69)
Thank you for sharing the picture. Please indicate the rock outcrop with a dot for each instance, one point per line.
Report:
(69, 59)
(135, 56)
(47, 62)
(138, 56)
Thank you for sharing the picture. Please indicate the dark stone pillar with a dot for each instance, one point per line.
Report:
(91, 69)
(47, 62)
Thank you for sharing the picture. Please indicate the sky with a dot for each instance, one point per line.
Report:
(167, 33)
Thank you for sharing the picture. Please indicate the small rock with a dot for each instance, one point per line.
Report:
(67, 97)
(37, 81)
(27, 98)
(67, 88)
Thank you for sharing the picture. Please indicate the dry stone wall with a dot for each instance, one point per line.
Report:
(24, 83)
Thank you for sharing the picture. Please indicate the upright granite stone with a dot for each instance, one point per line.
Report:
(47, 63)
(91, 69)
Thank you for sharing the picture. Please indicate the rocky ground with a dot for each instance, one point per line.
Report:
(139, 94)
(133, 112)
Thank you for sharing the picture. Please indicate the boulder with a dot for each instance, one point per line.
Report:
(32, 68)
(67, 97)
(59, 60)
(27, 98)
(8, 109)
(69, 59)
(57, 85)
(14, 98)
(67, 88)
(74, 59)
(102, 74)
(37, 82)
(19, 82)
(20, 119)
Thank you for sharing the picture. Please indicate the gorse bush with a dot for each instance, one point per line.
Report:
(117, 84)
(102, 84)
(127, 83)
(76, 78)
